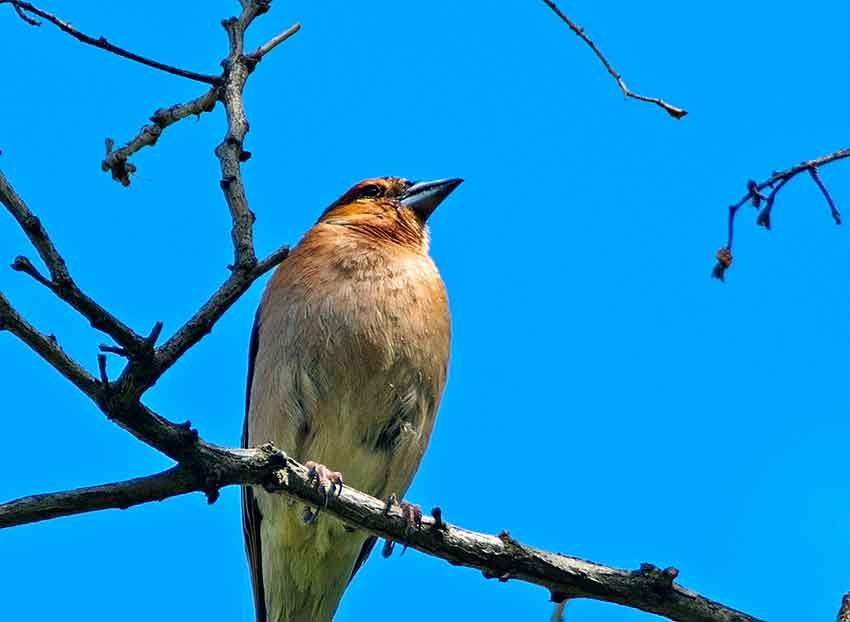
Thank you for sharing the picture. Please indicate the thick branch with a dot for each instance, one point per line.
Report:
(117, 161)
(649, 588)
(757, 199)
(103, 44)
(673, 111)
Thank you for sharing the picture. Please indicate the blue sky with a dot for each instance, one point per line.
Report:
(606, 399)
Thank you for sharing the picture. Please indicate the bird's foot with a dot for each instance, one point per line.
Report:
(324, 480)
(412, 514)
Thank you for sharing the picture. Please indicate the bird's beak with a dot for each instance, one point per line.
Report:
(423, 197)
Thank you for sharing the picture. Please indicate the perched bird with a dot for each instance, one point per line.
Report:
(348, 360)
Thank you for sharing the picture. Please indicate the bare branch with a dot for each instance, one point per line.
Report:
(117, 161)
(264, 49)
(833, 210)
(102, 43)
(47, 348)
(202, 321)
(60, 282)
(673, 111)
(756, 198)
(175, 481)
(648, 588)
(230, 151)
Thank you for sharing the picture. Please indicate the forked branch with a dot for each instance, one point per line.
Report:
(764, 202)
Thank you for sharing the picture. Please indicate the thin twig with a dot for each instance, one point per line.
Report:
(47, 348)
(755, 197)
(23, 264)
(202, 321)
(274, 42)
(29, 20)
(60, 282)
(673, 111)
(117, 161)
(103, 44)
(836, 215)
(558, 612)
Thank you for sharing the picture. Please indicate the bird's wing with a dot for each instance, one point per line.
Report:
(364, 554)
(251, 516)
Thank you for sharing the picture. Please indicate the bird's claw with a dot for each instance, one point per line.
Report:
(325, 481)
(412, 514)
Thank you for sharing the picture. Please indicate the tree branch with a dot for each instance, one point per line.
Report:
(203, 320)
(175, 481)
(502, 557)
(102, 43)
(230, 151)
(756, 198)
(60, 282)
(47, 347)
(117, 161)
(673, 111)
(264, 49)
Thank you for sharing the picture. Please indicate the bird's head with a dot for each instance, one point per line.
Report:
(390, 209)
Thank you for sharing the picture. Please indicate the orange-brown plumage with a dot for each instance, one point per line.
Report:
(350, 356)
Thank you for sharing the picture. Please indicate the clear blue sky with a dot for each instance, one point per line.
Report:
(606, 399)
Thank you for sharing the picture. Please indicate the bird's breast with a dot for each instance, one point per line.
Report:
(352, 360)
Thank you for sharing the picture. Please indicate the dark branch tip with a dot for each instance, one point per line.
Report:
(154, 334)
(21, 264)
(724, 260)
(113, 350)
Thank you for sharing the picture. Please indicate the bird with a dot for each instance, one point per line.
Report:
(348, 360)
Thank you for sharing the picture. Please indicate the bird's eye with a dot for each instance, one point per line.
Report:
(372, 190)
